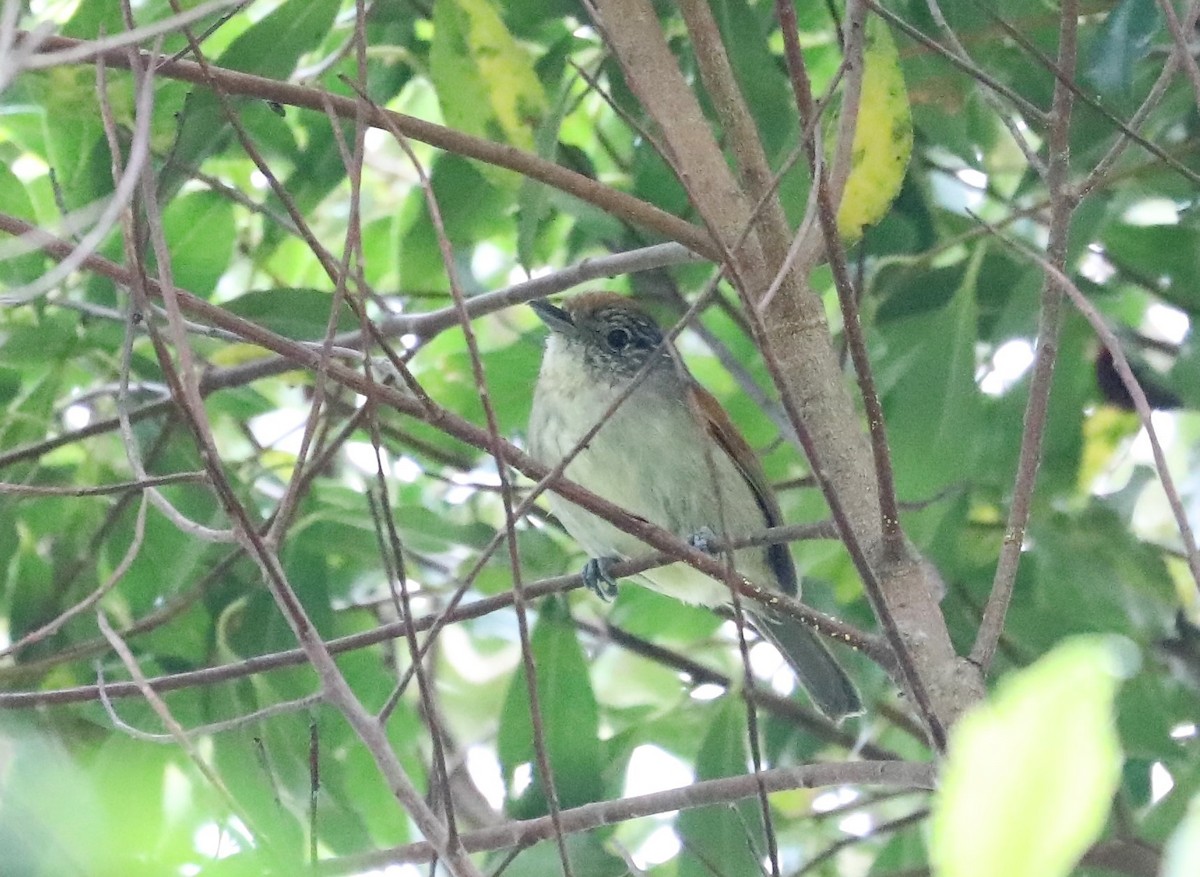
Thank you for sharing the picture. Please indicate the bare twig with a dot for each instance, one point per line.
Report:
(1050, 320)
(177, 732)
(1183, 50)
(52, 627)
(700, 794)
(104, 489)
(28, 54)
(1126, 130)
(1006, 119)
(1165, 78)
(1028, 110)
(126, 183)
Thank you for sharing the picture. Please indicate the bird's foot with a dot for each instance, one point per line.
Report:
(704, 539)
(598, 579)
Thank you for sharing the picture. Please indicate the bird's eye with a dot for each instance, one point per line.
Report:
(618, 339)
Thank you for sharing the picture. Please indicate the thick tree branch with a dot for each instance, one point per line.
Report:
(795, 341)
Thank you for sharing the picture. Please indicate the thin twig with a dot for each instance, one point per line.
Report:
(177, 732)
(1183, 50)
(1050, 320)
(1083, 96)
(900, 774)
(1165, 78)
(991, 97)
(55, 625)
(1028, 110)
(103, 489)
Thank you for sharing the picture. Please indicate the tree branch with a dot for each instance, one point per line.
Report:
(523, 833)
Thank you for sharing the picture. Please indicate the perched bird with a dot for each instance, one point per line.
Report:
(671, 455)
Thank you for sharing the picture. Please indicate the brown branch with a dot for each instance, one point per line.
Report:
(831, 627)
(795, 341)
(1050, 321)
(103, 489)
(828, 192)
(605, 197)
(522, 833)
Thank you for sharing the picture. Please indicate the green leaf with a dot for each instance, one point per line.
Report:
(302, 314)
(200, 234)
(930, 396)
(1030, 774)
(725, 839)
(27, 267)
(484, 78)
(75, 144)
(569, 713)
(1166, 257)
(1172, 810)
(1073, 385)
(1121, 41)
(271, 47)
(93, 17)
(913, 290)
(587, 853)
(533, 199)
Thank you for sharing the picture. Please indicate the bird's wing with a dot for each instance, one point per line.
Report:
(709, 411)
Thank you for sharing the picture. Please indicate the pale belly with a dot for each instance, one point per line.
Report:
(661, 467)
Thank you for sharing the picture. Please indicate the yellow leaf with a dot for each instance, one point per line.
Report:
(883, 136)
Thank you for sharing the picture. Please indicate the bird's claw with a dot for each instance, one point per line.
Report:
(704, 539)
(598, 579)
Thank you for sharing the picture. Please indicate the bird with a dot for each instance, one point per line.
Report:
(671, 455)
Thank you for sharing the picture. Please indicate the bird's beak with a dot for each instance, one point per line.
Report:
(555, 317)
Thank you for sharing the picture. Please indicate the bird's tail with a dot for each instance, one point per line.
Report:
(821, 675)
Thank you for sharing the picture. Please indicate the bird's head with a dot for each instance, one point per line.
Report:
(606, 333)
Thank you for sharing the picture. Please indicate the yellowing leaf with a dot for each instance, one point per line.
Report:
(883, 136)
(484, 78)
(1030, 774)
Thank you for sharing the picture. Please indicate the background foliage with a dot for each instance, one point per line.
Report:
(951, 314)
